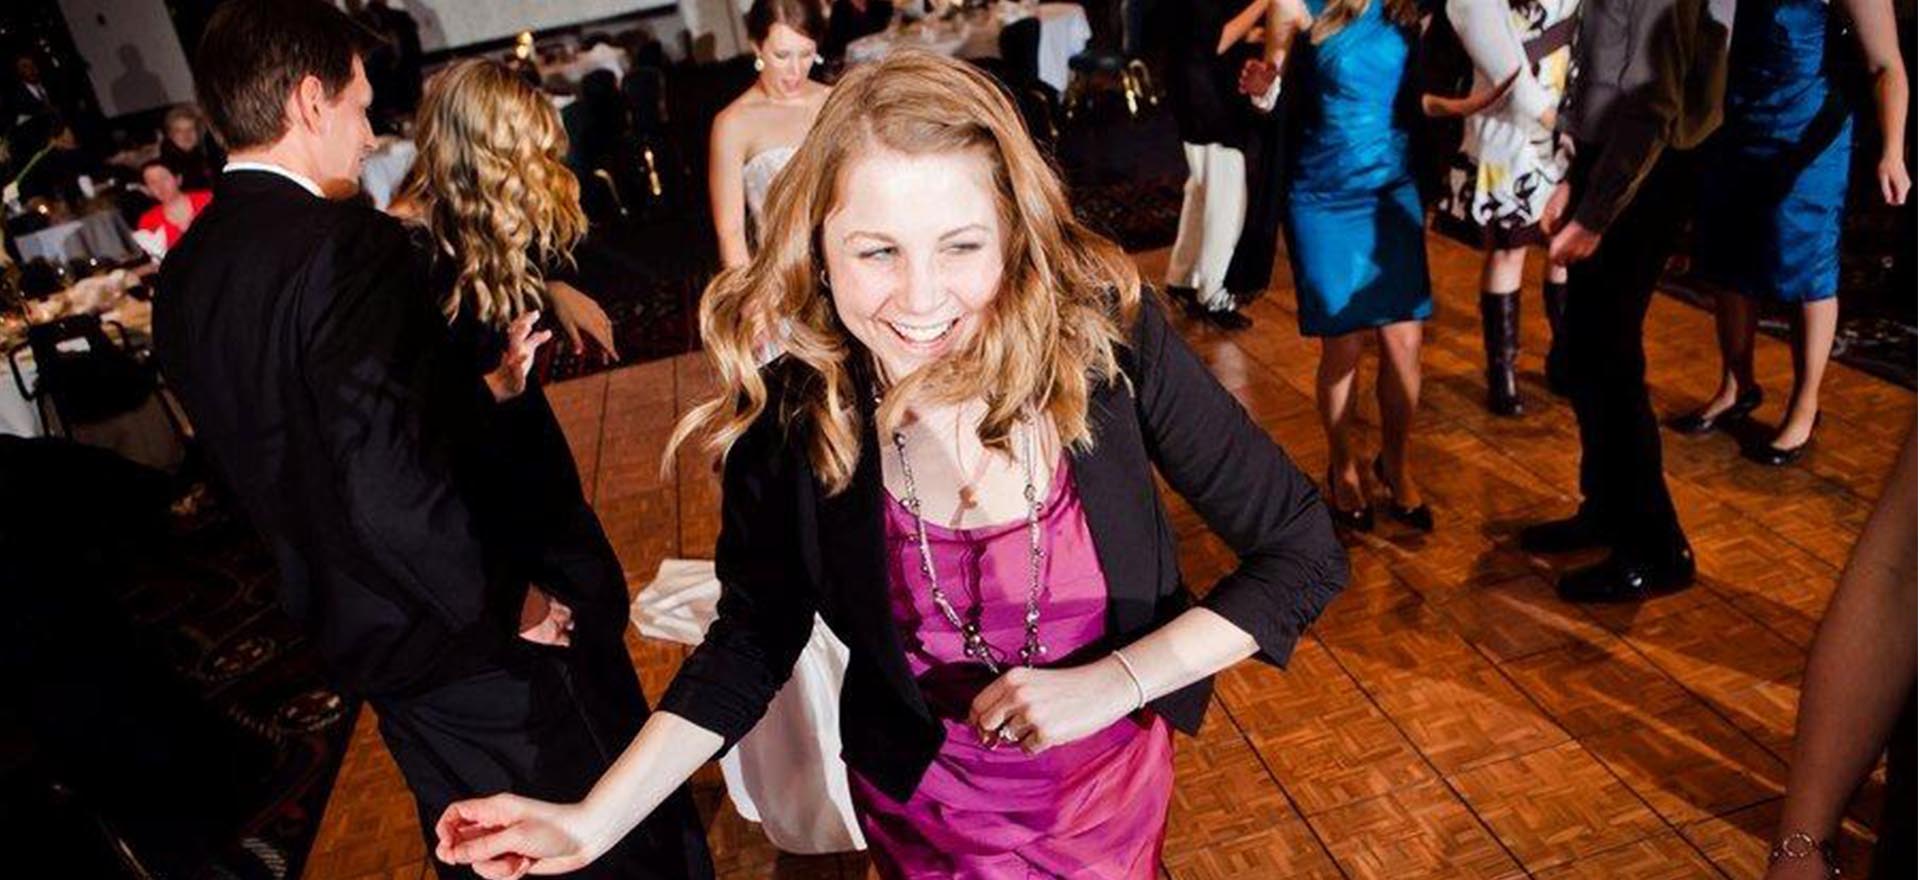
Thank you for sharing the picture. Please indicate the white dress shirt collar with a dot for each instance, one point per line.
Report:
(301, 179)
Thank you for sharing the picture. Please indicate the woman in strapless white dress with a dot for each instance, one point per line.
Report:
(787, 774)
(756, 134)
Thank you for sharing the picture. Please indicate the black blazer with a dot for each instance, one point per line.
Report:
(786, 550)
(324, 387)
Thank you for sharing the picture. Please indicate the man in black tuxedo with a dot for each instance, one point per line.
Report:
(298, 331)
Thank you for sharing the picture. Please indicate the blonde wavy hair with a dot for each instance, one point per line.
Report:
(1066, 294)
(492, 186)
(1340, 13)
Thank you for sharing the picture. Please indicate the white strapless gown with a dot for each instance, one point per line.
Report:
(786, 774)
(756, 178)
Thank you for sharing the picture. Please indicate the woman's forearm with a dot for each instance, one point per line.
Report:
(1890, 96)
(1197, 644)
(1237, 28)
(1861, 667)
(1878, 33)
(661, 758)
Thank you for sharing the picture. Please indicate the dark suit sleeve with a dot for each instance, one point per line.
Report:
(1243, 486)
(390, 400)
(765, 614)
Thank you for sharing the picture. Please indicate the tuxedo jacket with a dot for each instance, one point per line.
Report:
(787, 549)
(323, 385)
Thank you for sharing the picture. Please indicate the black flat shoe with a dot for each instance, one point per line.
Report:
(1226, 319)
(1619, 579)
(1773, 456)
(1698, 422)
(1358, 520)
(1570, 535)
(1419, 516)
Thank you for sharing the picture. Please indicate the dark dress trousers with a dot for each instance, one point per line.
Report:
(304, 339)
(787, 550)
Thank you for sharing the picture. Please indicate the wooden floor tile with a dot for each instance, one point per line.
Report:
(1555, 805)
(1228, 819)
(1421, 831)
(1690, 764)
(1665, 856)
(1590, 688)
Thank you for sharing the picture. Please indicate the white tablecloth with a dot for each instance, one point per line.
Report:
(383, 169)
(99, 234)
(1064, 33)
(18, 415)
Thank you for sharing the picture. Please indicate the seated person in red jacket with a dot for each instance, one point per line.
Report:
(177, 206)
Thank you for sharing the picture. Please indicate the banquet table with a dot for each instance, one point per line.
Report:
(144, 434)
(1064, 32)
(102, 234)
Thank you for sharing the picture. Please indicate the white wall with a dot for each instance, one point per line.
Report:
(451, 24)
(132, 52)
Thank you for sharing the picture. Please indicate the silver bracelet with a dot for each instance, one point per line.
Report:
(1138, 689)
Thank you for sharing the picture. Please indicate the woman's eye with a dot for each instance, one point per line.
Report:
(877, 253)
(963, 247)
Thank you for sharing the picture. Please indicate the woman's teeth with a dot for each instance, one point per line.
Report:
(922, 332)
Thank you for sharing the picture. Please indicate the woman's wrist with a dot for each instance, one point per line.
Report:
(1137, 687)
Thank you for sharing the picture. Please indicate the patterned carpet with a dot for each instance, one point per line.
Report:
(168, 712)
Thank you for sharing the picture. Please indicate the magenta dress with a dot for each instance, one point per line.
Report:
(1092, 808)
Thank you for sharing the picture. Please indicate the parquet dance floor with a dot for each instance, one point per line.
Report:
(1449, 717)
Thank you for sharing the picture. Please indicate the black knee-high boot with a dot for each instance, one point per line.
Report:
(1500, 329)
(1553, 297)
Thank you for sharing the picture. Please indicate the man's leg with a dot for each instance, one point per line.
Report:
(1621, 469)
(545, 724)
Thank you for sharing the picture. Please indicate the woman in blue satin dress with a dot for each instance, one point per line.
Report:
(1354, 229)
(1772, 195)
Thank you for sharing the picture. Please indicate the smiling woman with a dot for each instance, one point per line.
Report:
(953, 465)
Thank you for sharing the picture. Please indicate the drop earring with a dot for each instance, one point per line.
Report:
(818, 59)
(758, 64)
(823, 281)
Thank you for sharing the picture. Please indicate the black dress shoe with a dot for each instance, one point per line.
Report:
(1419, 516)
(1226, 319)
(1570, 535)
(1698, 422)
(1357, 520)
(1619, 578)
(1773, 456)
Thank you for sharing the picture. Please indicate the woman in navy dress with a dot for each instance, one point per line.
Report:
(1771, 200)
(1354, 229)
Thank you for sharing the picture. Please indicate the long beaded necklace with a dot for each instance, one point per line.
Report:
(974, 644)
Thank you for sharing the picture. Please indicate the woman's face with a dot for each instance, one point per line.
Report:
(785, 60)
(913, 253)
(164, 185)
(184, 133)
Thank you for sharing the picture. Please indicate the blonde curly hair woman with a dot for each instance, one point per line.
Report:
(953, 464)
(495, 215)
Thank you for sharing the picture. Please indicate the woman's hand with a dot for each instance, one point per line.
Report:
(506, 836)
(1043, 708)
(545, 620)
(1257, 76)
(1894, 182)
(582, 319)
(509, 380)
